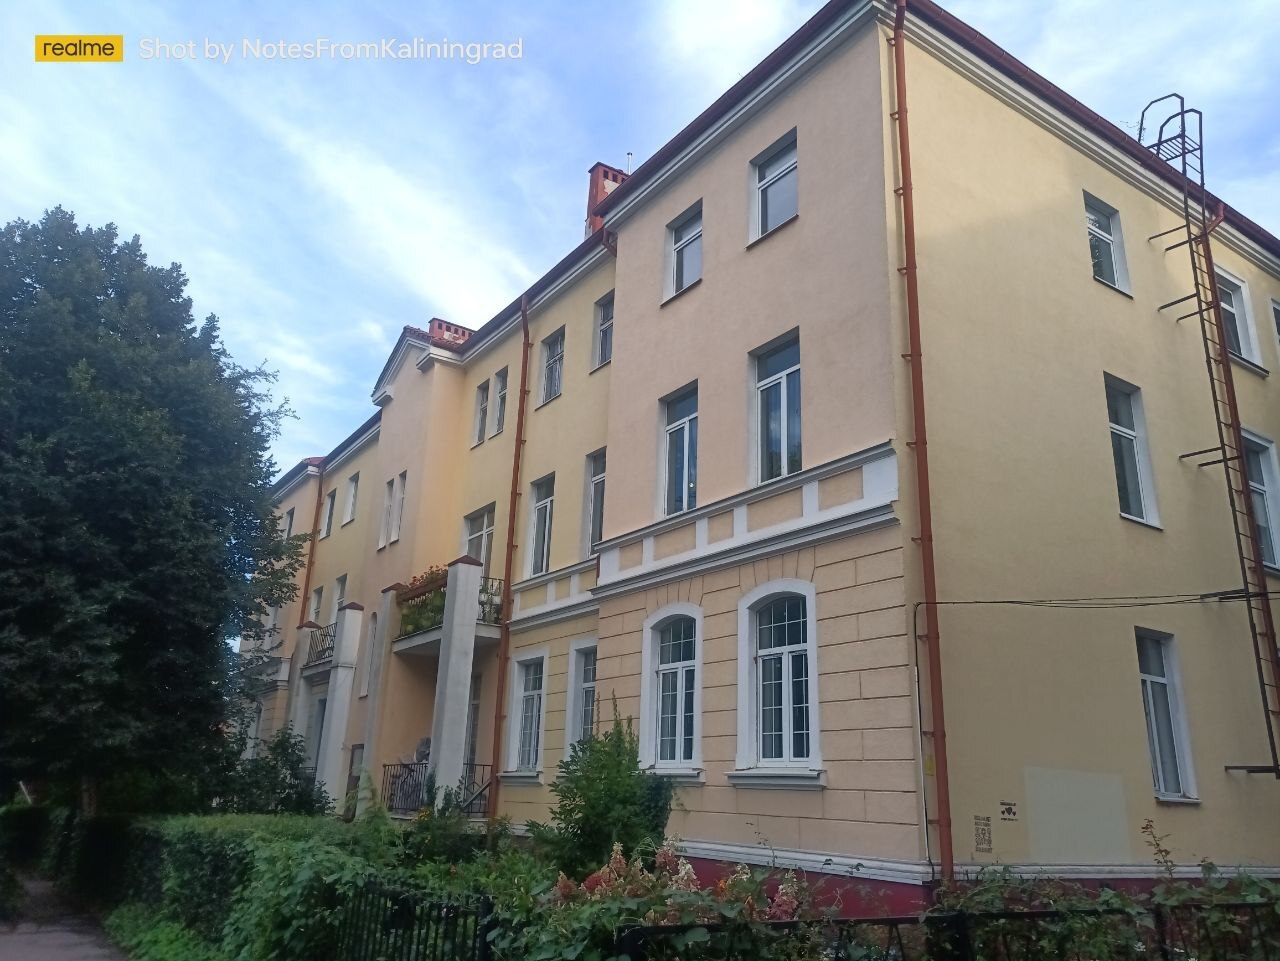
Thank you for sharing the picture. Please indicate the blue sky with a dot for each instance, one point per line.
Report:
(319, 206)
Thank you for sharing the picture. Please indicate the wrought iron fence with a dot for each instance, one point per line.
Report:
(1241, 931)
(405, 787)
(321, 646)
(386, 923)
(477, 780)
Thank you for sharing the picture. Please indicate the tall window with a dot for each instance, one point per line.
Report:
(473, 721)
(782, 679)
(339, 596)
(676, 682)
(398, 515)
(480, 536)
(288, 523)
(326, 525)
(686, 250)
(1275, 316)
(1235, 317)
(388, 506)
(1161, 701)
(482, 413)
(682, 451)
(1262, 489)
(553, 365)
(544, 492)
(584, 720)
(595, 499)
(500, 401)
(778, 410)
(527, 756)
(353, 491)
(369, 647)
(604, 330)
(777, 180)
(1129, 451)
(317, 603)
(1106, 248)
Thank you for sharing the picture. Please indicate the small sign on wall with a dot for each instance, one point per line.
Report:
(1008, 810)
(981, 834)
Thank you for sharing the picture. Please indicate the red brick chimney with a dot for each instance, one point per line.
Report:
(440, 330)
(603, 179)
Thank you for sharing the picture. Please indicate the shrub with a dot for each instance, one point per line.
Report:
(603, 799)
(11, 893)
(148, 936)
(277, 781)
(24, 830)
(93, 870)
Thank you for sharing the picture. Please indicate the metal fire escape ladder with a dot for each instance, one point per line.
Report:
(1179, 142)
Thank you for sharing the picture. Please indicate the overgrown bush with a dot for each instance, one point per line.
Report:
(278, 780)
(10, 893)
(149, 936)
(603, 799)
(94, 868)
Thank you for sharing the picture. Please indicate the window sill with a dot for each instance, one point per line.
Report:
(477, 443)
(681, 775)
(496, 433)
(1271, 569)
(1176, 799)
(324, 537)
(1153, 525)
(790, 220)
(349, 520)
(1110, 286)
(521, 777)
(779, 779)
(600, 366)
(679, 293)
(544, 403)
(1249, 365)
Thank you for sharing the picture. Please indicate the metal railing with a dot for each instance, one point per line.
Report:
(474, 788)
(1226, 931)
(422, 607)
(405, 786)
(321, 646)
(380, 922)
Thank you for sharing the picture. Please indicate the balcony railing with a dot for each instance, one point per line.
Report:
(422, 603)
(406, 787)
(321, 647)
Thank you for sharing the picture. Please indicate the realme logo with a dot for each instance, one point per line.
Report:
(68, 48)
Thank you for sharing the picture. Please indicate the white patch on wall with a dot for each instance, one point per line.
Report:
(1076, 817)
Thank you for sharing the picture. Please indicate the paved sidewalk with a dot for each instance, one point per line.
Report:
(51, 931)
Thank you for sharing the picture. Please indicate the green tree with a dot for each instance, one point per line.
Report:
(138, 537)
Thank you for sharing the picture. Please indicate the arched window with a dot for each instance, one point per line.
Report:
(677, 681)
(670, 692)
(782, 672)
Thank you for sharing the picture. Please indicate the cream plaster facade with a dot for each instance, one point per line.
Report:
(1046, 728)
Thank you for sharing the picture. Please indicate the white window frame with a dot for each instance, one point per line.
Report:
(649, 692)
(288, 523)
(1269, 487)
(1242, 311)
(575, 699)
(515, 713)
(486, 517)
(397, 517)
(688, 424)
(388, 505)
(758, 187)
(481, 414)
(761, 386)
(748, 747)
(674, 247)
(371, 640)
(595, 493)
(500, 401)
(1275, 318)
(541, 565)
(1177, 717)
(317, 604)
(552, 358)
(353, 492)
(330, 504)
(603, 327)
(1115, 238)
(339, 596)
(1142, 450)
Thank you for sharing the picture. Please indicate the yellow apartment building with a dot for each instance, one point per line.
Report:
(857, 653)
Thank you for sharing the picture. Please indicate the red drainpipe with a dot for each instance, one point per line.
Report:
(508, 564)
(921, 448)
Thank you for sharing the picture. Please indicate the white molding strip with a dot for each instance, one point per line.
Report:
(856, 868)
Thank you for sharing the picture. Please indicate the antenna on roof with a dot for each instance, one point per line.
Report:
(629, 163)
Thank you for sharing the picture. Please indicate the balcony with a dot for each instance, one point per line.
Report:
(406, 788)
(320, 648)
(422, 603)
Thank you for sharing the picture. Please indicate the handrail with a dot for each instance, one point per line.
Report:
(321, 646)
